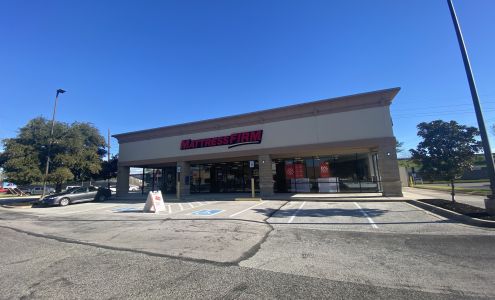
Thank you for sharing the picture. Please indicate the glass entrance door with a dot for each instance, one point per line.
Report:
(226, 177)
(168, 180)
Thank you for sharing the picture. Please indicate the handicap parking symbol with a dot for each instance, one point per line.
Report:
(206, 212)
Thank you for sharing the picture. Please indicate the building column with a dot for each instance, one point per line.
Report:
(372, 171)
(266, 175)
(123, 180)
(184, 172)
(389, 169)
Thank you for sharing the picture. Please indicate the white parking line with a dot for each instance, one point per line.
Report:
(178, 212)
(294, 215)
(245, 210)
(190, 205)
(74, 211)
(170, 209)
(85, 210)
(181, 208)
(366, 215)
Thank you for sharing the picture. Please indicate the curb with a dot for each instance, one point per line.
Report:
(452, 215)
(248, 199)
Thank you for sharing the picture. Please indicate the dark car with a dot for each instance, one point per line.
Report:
(75, 195)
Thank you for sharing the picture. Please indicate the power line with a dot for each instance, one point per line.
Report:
(438, 106)
(425, 114)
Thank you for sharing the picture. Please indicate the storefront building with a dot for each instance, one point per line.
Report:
(338, 145)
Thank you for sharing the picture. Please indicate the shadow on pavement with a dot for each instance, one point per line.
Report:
(322, 212)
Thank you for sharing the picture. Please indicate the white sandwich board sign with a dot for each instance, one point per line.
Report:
(154, 203)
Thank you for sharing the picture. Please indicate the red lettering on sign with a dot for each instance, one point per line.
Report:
(256, 135)
(233, 140)
(185, 144)
(245, 137)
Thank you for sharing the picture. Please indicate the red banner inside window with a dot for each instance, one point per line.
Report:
(289, 171)
(324, 169)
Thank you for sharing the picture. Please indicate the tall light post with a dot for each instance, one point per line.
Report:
(490, 200)
(50, 142)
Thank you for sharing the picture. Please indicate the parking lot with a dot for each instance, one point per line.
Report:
(359, 215)
(386, 243)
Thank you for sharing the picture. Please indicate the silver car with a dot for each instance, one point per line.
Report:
(38, 190)
(75, 195)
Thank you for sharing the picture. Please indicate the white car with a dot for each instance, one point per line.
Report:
(133, 188)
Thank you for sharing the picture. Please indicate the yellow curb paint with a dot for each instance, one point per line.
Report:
(247, 199)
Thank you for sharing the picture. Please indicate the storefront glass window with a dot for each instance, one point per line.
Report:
(225, 177)
(330, 174)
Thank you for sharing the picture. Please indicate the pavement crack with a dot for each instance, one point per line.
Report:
(255, 248)
(71, 241)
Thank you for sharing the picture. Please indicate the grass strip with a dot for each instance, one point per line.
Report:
(460, 190)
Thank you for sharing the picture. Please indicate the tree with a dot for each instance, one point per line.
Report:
(75, 153)
(447, 150)
(109, 168)
(398, 146)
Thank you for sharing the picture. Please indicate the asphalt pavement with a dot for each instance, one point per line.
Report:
(357, 248)
(40, 268)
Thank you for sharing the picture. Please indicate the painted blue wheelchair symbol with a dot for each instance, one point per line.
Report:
(207, 212)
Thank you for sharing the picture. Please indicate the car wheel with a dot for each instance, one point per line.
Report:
(64, 202)
(102, 198)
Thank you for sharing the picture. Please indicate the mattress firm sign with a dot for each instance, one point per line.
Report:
(233, 140)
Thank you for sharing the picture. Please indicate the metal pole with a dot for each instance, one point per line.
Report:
(490, 201)
(50, 142)
(252, 187)
(142, 183)
(178, 186)
(108, 156)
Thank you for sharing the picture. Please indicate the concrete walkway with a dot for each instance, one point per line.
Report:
(418, 194)
(246, 196)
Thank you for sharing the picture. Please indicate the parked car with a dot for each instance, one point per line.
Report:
(133, 188)
(75, 195)
(38, 190)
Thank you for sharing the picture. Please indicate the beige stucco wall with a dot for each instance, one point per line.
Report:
(343, 126)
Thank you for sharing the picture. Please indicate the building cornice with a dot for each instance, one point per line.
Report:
(320, 107)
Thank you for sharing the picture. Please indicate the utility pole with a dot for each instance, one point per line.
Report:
(108, 156)
(50, 142)
(490, 200)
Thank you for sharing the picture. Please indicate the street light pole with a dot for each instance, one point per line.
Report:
(490, 200)
(50, 142)
(108, 157)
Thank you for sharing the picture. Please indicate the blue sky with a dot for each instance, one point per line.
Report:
(132, 65)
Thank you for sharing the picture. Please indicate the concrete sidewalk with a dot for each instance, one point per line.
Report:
(138, 197)
(419, 194)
